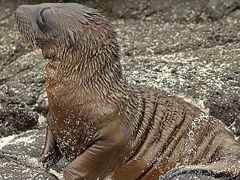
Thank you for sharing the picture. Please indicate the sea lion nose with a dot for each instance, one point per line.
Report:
(28, 13)
(22, 11)
(27, 10)
(18, 12)
(23, 8)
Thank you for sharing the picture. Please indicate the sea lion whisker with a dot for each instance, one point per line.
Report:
(27, 33)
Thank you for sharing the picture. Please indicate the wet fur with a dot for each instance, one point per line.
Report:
(102, 124)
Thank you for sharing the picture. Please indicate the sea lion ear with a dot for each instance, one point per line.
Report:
(71, 35)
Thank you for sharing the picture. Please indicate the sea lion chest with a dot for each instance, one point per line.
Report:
(72, 122)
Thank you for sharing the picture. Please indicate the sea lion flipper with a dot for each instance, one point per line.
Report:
(216, 170)
(96, 162)
(51, 153)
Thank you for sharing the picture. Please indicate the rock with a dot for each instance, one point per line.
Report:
(216, 9)
(22, 93)
(21, 172)
(166, 11)
(158, 10)
(28, 143)
(15, 118)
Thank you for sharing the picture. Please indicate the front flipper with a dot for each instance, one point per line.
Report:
(51, 153)
(100, 159)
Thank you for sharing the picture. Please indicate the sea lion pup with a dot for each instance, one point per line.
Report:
(105, 126)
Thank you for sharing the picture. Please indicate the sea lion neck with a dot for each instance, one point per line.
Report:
(94, 76)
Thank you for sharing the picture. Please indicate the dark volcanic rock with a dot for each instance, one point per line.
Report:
(216, 9)
(28, 143)
(166, 11)
(21, 172)
(21, 93)
(15, 118)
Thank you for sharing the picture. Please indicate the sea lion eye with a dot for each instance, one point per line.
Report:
(41, 21)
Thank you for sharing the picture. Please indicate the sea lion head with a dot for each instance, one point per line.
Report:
(66, 31)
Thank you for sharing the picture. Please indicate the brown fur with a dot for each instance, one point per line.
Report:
(104, 126)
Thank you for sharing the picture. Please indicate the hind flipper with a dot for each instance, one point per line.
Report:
(226, 170)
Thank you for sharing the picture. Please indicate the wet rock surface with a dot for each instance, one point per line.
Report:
(167, 11)
(22, 83)
(30, 144)
(12, 170)
(198, 61)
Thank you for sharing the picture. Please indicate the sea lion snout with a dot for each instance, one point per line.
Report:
(27, 20)
(31, 13)
(39, 27)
